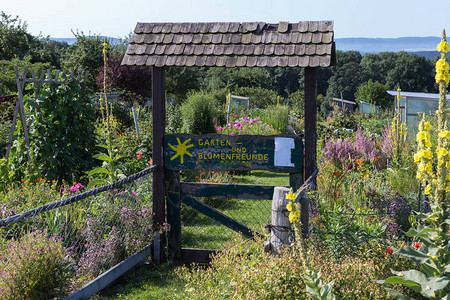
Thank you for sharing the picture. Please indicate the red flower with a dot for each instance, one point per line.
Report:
(139, 155)
(389, 250)
(417, 245)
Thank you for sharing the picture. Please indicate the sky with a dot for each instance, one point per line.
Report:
(117, 18)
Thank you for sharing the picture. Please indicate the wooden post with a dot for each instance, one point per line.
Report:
(310, 120)
(174, 214)
(310, 138)
(280, 221)
(159, 126)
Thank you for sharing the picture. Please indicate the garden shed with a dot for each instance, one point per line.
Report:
(412, 103)
(307, 44)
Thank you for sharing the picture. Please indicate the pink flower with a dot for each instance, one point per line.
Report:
(133, 193)
(232, 133)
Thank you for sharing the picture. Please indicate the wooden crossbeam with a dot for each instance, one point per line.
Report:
(20, 107)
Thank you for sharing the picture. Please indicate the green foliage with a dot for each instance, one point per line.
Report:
(8, 84)
(277, 116)
(109, 171)
(373, 93)
(198, 113)
(235, 78)
(36, 267)
(315, 288)
(431, 253)
(62, 141)
(15, 41)
(297, 103)
(86, 54)
(173, 117)
(180, 81)
(259, 97)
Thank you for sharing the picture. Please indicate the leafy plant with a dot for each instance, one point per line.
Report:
(198, 114)
(34, 267)
(62, 141)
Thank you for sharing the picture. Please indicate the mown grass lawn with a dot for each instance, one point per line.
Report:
(151, 281)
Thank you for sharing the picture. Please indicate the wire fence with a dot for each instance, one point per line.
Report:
(200, 231)
(74, 240)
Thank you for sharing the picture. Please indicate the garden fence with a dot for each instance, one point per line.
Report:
(86, 234)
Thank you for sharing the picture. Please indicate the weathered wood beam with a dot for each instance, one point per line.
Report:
(234, 191)
(310, 120)
(159, 126)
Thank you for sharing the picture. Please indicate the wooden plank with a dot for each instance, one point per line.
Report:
(217, 216)
(197, 256)
(233, 191)
(159, 125)
(310, 120)
(105, 279)
(174, 214)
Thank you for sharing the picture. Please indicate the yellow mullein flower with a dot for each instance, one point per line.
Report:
(427, 190)
(290, 196)
(444, 134)
(289, 207)
(417, 156)
(427, 143)
(421, 136)
(443, 47)
(442, 152)
(429, 167)
(427, 153)
(422, 167)
(427, 126)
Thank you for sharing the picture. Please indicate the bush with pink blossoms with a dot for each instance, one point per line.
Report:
(34, 267)
(247, 126)
(344, 152)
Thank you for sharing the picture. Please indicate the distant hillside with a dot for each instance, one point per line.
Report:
(425, 46)
(70, 41)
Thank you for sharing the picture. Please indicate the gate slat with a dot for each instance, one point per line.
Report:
(218, 216)
(235, 191)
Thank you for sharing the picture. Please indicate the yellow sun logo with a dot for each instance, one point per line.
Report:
(181, 149)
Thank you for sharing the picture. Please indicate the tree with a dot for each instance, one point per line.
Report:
(15, 41)
(411, 73)
(346, 75)
(376, 66)
(134, 79)
(86, 54)
(179, 81)
(373, 92)
(285, 80)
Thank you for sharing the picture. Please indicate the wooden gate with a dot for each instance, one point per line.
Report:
(215, 152)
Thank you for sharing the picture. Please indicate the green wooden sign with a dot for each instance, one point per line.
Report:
(215, 152)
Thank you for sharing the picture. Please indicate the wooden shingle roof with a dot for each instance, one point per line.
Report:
(253, 44)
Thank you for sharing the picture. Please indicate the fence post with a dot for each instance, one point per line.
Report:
(174, 214)
(280, 229)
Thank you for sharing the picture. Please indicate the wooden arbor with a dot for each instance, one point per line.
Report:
(256, 44)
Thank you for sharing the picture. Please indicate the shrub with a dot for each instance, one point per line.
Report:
(34, 267)
(277, 116)
(198, 114)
